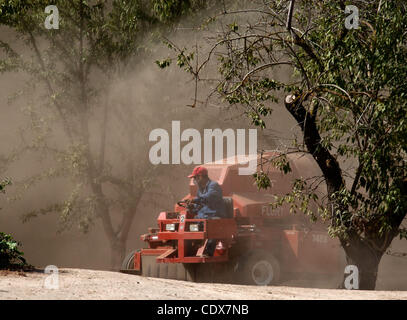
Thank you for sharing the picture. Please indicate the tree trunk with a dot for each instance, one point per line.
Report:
(367, 262)
(117, 254)
(358, 252)
(366, 258)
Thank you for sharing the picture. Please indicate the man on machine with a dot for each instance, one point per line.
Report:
(210, 199)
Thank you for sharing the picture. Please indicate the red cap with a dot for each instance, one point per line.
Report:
(198, 171)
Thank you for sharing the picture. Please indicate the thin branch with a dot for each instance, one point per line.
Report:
(290, 15)
(260, 68)
(47, 82)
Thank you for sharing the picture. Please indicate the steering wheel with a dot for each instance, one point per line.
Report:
(187, 204)
(184, 204)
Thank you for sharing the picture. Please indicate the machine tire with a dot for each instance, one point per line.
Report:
(176, 271)
(261, 269)
(128, 262)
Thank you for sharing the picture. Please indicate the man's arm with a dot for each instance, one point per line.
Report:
(214, 193)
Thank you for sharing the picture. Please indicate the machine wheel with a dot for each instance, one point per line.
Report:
(176, 271)
(128, 262)
(261, 269)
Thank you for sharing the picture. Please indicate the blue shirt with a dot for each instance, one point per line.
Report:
(211, 197)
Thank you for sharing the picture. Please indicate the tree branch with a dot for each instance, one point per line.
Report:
(260, 68)
(290, 15)
(312, 139)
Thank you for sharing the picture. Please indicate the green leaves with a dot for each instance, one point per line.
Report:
(234, 27)
(168, 10)
(300, 199)
(10, 256)
(184, 60)
(281, 162)
(4, 183)
(262, 180)
(257, 120)
(164, 63)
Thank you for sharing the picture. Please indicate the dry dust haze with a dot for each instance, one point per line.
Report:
(156, 97)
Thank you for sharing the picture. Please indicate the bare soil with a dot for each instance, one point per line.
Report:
(80, 284)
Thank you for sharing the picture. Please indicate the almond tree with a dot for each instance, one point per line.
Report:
(71, 69)
(348, 95)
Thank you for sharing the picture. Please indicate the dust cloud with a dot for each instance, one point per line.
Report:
(152, 98)
(149, 98)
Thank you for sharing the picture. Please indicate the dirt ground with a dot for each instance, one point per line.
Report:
(80, 284)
